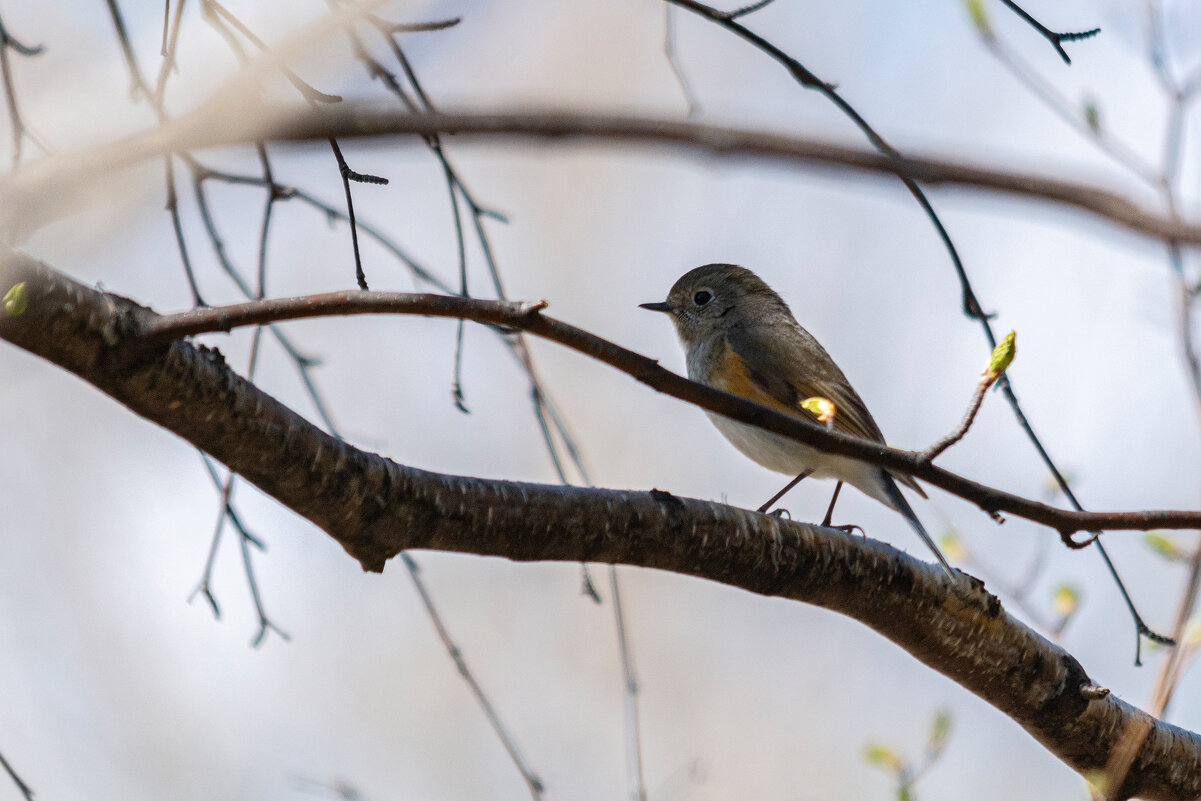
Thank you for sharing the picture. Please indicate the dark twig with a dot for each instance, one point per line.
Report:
(415, 27)
(1056, 39)
(172, 207)
(531, 779)
(349, 175)
(637, 788)
(314, 97)
(747, 10)
(20, 130)
(24, 788)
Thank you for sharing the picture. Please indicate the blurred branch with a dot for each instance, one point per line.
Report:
(29, 199)
(20, 129)
(376, 508)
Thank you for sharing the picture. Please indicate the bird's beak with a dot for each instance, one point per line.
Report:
(659, 307)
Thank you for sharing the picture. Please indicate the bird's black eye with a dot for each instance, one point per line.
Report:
(702, 297)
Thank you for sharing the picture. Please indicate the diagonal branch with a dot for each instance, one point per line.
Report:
(376, 508)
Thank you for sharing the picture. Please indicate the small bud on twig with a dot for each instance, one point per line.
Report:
(975, 10)
(1002, 357)
(998, 363)
(16, 300)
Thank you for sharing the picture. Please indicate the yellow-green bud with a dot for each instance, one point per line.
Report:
(1002, 356)
(975, 10)
(16, 300)
(1192, 633)
(1163, 544)
(1092, 115)
(1066, 600)
(952, 547)
(882, 756)
(940, 730)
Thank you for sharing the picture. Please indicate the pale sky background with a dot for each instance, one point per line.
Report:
(113, 687)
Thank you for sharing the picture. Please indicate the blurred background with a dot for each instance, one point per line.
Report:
(113, 686)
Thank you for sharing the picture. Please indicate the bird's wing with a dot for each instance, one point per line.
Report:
(814, 374)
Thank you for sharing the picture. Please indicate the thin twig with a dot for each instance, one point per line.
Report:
(315, 98)
(673, 61)
(20, 130)
(24, 788)
(172, 207)
(1056, 39)
(170, 47)
(531, 779)
(1099, 136)
(969, 417)
(637, 788)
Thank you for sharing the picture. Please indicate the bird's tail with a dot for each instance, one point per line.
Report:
(898, 500)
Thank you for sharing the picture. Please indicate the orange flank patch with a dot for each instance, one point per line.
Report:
(733, 376)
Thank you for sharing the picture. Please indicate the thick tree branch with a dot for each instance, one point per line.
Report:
(161, 330)
(376, 508)
(36, 194)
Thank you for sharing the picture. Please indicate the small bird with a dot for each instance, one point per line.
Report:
(740, 337)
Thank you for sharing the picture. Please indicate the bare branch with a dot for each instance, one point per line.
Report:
(34, 195)
(1056, 39)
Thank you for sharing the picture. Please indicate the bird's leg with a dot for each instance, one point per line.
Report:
(762, 509)
(833, 500)
(847, 527)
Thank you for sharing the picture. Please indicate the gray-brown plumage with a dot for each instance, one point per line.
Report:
(740, 337)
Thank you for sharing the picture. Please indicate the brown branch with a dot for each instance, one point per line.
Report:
(38, 193)
(160, 330)
(376, 508)
(960, 431)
